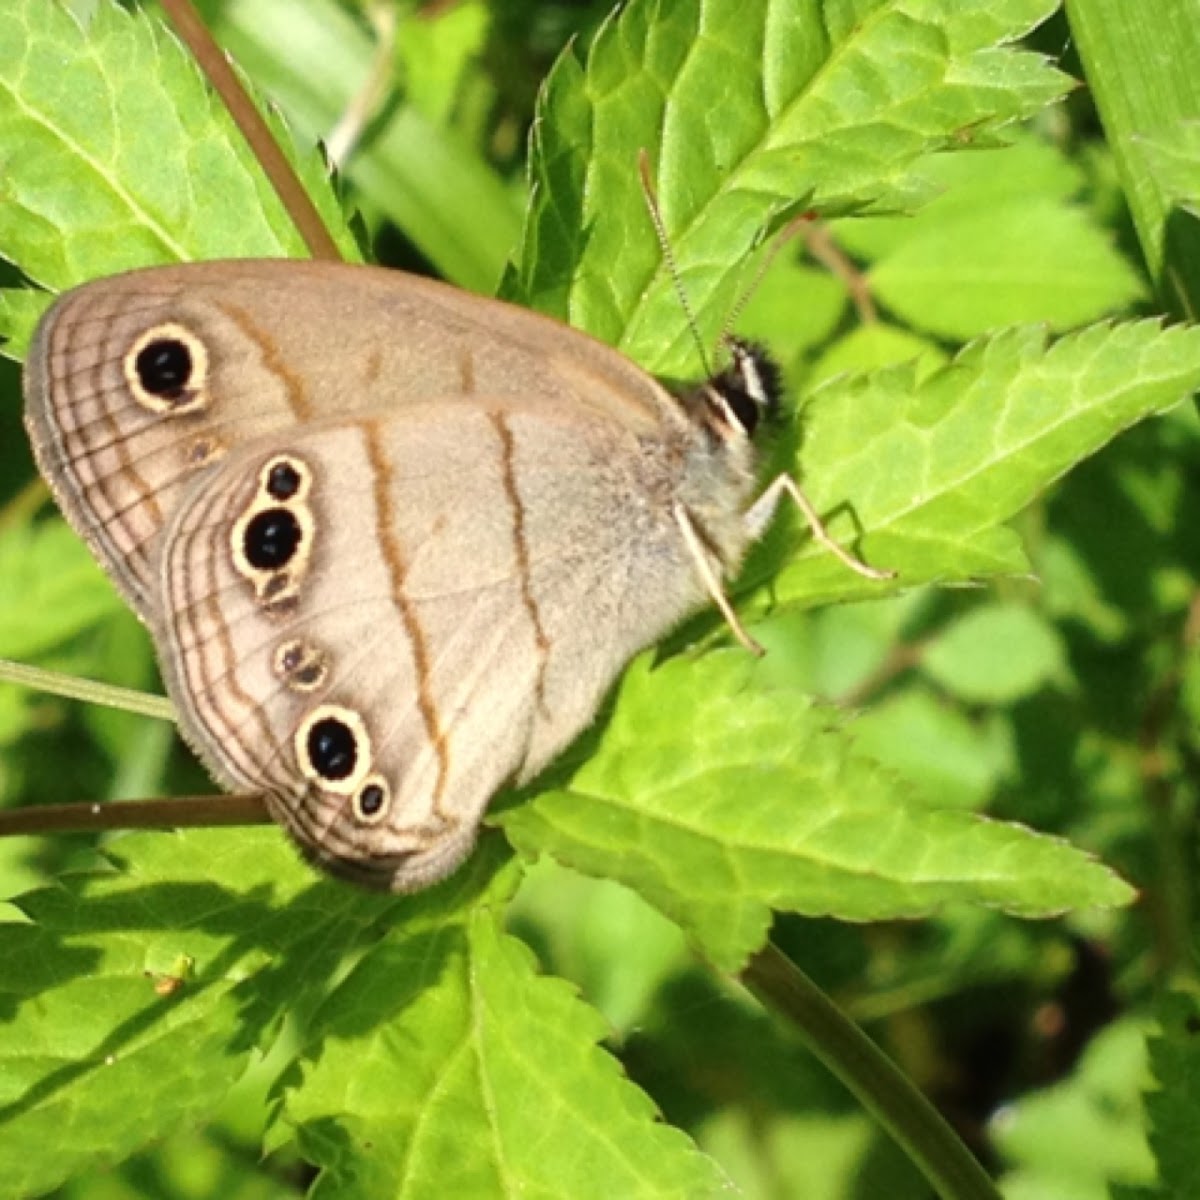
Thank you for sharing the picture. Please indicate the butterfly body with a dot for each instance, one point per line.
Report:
(393, 541)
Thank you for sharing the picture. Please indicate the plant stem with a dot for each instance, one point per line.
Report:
(175, 812)
(254, 129)
(91, 691)
(900, 1107)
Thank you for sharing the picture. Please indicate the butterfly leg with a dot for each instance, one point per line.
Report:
(712, 580)
(758, 517)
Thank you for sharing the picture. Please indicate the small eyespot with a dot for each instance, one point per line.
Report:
(271, 539)
(203, 451)
(283, 480)
(333, 749)
(371, 800)
(166, 368)
(301, 665)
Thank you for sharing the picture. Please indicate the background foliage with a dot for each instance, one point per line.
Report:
(174, 1002)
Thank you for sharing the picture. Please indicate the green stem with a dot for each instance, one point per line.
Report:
(900, 1107)
(91, 691)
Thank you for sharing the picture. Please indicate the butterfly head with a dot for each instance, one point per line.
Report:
(745, 393)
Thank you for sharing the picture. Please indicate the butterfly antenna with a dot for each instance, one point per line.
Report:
(668, 254)
(789, 231)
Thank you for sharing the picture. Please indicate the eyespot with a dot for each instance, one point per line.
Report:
(166, 369)
(333, 749)
(202, 451)
(301, 665)
(283, 478)
(372, 800)
(271, 539)
(272, 542)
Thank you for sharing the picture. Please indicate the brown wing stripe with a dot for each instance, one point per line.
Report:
(297, 397)
(393, 555)
(77, 451)
(521, 544)
(194, 600)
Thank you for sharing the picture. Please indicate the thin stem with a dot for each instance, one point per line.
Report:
(91, 691)
(177, 812)
(254, 129)
(900, 1107)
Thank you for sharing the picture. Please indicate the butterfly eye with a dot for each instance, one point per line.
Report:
(166, 369)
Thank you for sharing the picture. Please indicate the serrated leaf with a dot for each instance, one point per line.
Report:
(720, 800)
(1173, 1103)
(117, 156)
(873, 347)
(933, 469)
(86, 1023)
(853, 95)
(448, 1067)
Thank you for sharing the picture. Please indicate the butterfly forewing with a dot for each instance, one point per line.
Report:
(139, 384)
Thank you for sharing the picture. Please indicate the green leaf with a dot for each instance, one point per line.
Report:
(1001, 246)
(448, 1067)
(1173, 1102)
(873, 347)
(1082, 1134)
(20, 311)
(117, 156)
(933, 744)
(853, 95)
(689, 799)
(1141, 63)
(933, 468)
(262, 938)
(1176, 164)
(50, 589)
(312, 58)
(997, 654)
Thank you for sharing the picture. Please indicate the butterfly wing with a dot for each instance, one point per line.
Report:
(139, 384)
(378, 621)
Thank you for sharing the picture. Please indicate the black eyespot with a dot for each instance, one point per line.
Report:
(164, 367)
(271, 538)
(332, 748)
(371, 800)
(283, 481)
